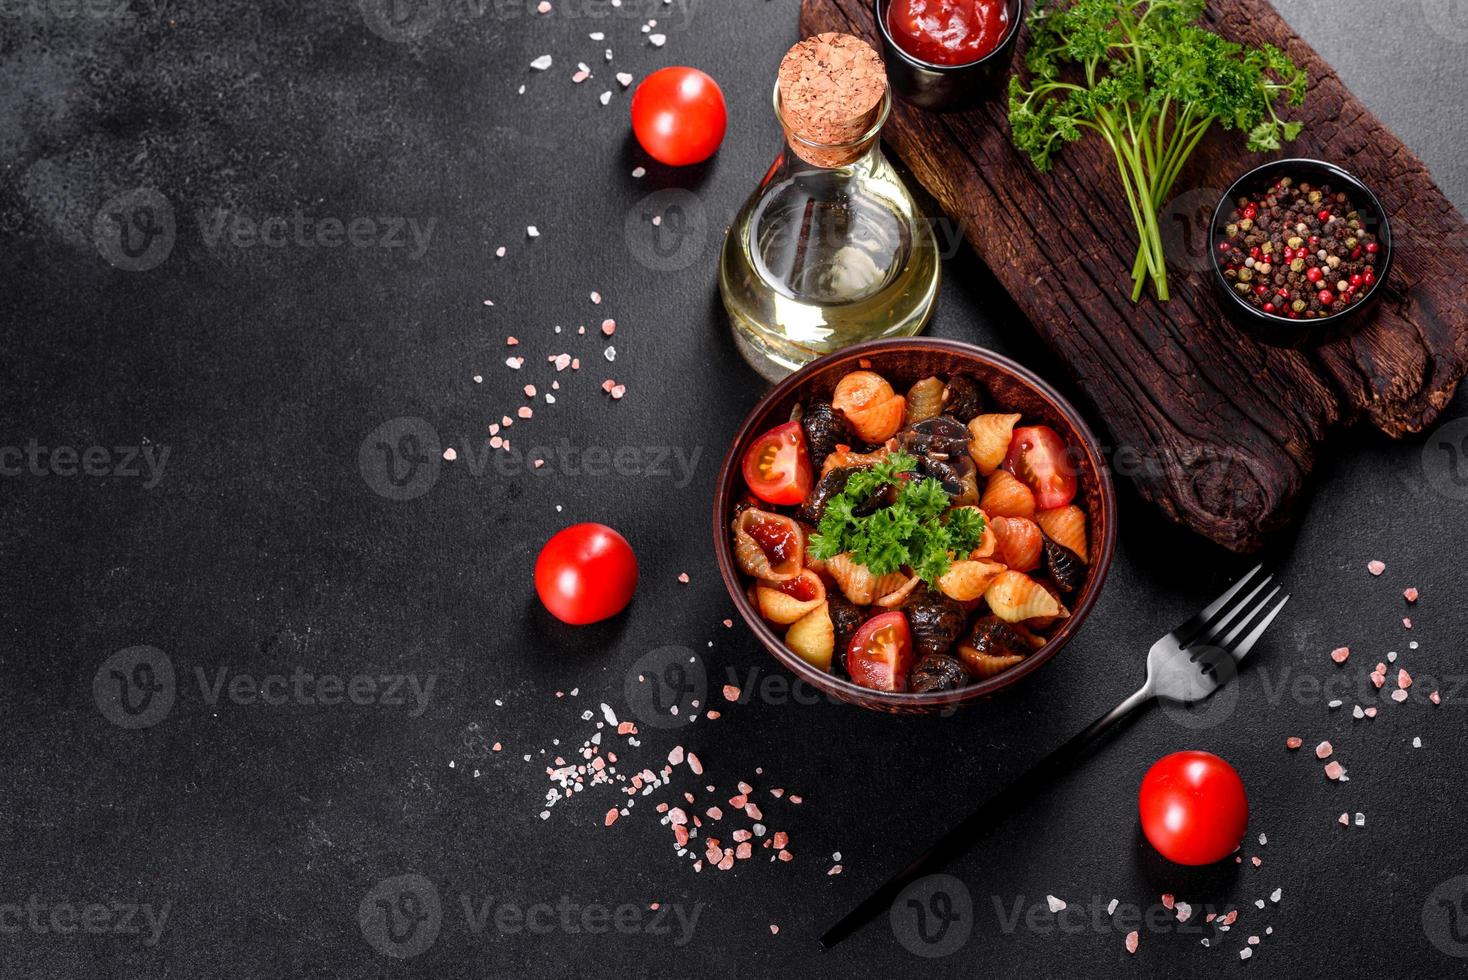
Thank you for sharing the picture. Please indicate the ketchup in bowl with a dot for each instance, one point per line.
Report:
(948, 32)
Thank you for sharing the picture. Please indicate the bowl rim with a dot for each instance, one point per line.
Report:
(1384, 235)
(1016, 22)
(850, 691)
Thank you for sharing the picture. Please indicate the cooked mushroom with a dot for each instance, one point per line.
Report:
(825, 428)
(1065, 566)
(940, 446)
(847, 618)
(934, 620)
(961, 399)
(936, 672)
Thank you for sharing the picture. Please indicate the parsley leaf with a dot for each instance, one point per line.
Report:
(917, 529)
(1144, 76)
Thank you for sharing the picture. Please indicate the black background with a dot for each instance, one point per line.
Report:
(262, 548)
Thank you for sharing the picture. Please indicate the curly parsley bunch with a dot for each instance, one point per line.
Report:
(1151, 82)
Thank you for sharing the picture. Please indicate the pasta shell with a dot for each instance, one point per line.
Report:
(858, 583)
(843, 458)
(969, 580)
(1015, 597)
(989, 437)
(785, 602)
(1066, 526)
(985, 665)
(813, 637)
(880, 422)
(860, 390)
(1006, 496)
(897, 597)
(1020, 543)
(813, 563)
(924, 401)
(768, 546)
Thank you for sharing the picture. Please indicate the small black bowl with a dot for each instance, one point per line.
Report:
(1281, 331)
(946, 88)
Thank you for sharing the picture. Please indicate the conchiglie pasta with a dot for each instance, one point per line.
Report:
(1006, 496)
(899, 595)
(768, 546)
(924, 401)
(1066, 526)
(813, 637)
(1019, 543)
(989, 437)
(785, 602)
(880, 422)
(1015, 597)
(857, 582)
(984, 665)
(967, 581)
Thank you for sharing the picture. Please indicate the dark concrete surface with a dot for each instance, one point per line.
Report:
(233, 397)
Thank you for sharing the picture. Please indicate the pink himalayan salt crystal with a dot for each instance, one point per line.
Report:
(451, 454)
(1334, 770)
(1344, 820)
(1340, 654)
(1399, 695)
(618, 391)
(1404, 679)
(1435, 698)
(1293, 742)
(1375, 567)
(1323, 750)
(731, 693)
(1410, 595)
(525, 411)
(1131, 941)
(609, 326)
(774, 929)
(530, 391)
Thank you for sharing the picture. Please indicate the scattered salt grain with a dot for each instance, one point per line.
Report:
(1293, 743)
(1416, 742)
(610, 353)
(608, 327)
(1322, 751)
(541, 63)
(605, 98)
(639, 172)
(1410, 595)
(1056, 904)
(451, 454)
(657, 40)
(1131, 941)
(514, 363)
(624, 79)
(1375, 567)
(532, 231)
(1340, 654)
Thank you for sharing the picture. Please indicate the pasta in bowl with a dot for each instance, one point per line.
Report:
(914, 524)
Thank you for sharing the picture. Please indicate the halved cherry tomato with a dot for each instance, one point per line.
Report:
(777, 467)
(880, 654)
(1193, 807)
(1038, 457)
(586, 573)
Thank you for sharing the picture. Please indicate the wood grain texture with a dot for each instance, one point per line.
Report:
(1217, 430)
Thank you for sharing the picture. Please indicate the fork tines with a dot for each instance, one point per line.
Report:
(1223, 622)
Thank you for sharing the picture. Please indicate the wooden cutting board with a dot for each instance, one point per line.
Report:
(1218, 431)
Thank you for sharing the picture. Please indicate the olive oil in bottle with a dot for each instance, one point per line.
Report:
(831, 249)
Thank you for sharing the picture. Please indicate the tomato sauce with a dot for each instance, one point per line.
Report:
(948, 32)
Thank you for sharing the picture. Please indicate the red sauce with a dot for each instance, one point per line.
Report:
(775, 538)
(948, 32)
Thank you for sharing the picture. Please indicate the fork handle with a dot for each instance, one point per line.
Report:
(990, 812)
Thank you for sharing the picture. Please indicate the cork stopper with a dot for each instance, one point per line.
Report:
(832, 89)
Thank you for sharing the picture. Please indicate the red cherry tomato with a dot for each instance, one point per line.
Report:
(1038, 457)
(1193, 808)
(679, 116)
(777, 467)
(881, 653)
(586, 573)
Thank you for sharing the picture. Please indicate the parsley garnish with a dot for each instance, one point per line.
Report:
(1151, 83)
(917, 530)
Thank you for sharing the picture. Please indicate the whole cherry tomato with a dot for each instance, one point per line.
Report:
(586, 573)
(1038, 457)
(678, 115)
(777, 467)
(1193, 808)
(881, 653)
